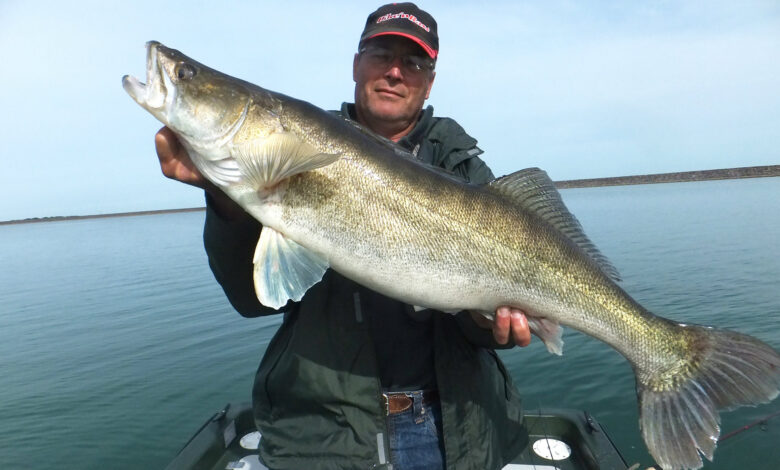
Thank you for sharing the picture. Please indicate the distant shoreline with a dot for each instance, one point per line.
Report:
(678, 177)
(60, 218)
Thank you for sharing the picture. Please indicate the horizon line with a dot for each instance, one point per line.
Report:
(763, 171)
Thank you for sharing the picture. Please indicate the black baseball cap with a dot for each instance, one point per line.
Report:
(403, 19)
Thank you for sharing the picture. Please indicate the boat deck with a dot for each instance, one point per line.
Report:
(574, 440)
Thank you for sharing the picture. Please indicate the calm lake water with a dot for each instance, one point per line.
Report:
(116, 343)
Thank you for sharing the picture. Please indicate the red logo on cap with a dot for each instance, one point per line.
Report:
(406, 16)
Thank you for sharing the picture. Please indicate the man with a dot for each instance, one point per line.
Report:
(354, 379)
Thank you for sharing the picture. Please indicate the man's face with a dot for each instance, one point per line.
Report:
(393, 78)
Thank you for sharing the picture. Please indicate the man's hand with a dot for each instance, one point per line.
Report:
(508, 322)
(176, 164)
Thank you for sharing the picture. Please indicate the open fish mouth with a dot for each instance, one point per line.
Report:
(153, 94)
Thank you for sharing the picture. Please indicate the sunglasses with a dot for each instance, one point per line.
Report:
(383, 57)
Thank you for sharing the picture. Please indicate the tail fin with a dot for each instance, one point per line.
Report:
(678, 415)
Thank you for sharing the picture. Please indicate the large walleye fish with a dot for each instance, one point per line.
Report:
(330, 194)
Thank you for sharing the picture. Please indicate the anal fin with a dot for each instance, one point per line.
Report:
(549, 331)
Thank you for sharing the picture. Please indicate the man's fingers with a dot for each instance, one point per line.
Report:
(174, 161)
(521, 333)
(169, 153)
(502, 325)
(166, 144)
(511, 323)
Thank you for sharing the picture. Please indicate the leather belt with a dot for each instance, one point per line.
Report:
(402, 401)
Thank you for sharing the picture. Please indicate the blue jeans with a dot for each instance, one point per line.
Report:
(416, 441)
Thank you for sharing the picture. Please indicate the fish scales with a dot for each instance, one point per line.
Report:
(470, 233)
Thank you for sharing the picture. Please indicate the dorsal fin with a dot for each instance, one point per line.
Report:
(533, 190)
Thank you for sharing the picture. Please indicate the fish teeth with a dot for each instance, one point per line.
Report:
(155, 91)
(151, 62)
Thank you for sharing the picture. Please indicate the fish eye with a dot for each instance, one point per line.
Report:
(185, 71)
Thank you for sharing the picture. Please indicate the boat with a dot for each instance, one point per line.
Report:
(559, 439)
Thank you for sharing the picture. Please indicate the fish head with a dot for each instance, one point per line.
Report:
(196, 102)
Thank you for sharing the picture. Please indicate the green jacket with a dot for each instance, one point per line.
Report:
(317, 396)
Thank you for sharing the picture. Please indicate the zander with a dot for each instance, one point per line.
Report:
(330, 194)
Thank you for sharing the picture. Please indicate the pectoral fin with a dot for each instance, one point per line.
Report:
(284, 270)
(267, 161)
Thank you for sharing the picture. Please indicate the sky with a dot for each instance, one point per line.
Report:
(581, 89)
